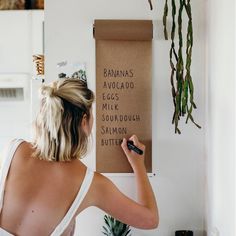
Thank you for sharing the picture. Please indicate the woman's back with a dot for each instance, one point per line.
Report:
(39, 193)
(47, 185)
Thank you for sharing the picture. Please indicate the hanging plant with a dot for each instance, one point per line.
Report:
(181, 79)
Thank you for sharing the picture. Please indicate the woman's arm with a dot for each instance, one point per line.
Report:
(142, 214)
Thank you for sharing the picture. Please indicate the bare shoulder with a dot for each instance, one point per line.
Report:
(97, 181)
(24, 150)
(100, 183)
(23, 145)
(100, 180)
(27, 146)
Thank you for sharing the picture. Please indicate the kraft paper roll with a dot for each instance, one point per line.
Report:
(123, 91)
(138, 30)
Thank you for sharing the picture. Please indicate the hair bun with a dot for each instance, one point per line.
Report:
(47, 91)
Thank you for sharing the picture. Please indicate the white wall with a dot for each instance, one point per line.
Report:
(220, 136)
(179, 161)
(14, 42)
(21, 37)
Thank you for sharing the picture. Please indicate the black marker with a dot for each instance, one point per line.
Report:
(131, 146)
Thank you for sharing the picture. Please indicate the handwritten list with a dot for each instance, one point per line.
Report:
(115, 120)
(123, 101)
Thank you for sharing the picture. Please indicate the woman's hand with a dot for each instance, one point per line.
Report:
(136, 161)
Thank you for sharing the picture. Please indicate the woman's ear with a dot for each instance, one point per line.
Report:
(84, 123)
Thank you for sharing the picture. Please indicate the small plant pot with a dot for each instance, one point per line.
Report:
(183, 233)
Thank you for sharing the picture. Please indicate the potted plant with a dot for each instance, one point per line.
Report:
(114, 227)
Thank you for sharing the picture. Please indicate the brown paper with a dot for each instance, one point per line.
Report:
(123, 92)
(123, 30)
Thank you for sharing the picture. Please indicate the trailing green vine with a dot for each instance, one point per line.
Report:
(181, 80)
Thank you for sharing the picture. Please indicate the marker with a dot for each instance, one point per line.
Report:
(131, 146)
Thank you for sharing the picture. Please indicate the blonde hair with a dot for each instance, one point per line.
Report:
(59, 135)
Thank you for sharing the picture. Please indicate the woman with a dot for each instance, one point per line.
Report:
(44, 185)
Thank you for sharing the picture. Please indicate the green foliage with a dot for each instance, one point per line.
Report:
(180, 78)
(115, 228)
(182, 86)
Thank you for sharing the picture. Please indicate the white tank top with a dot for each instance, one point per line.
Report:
(61, 227)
